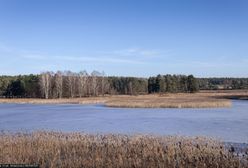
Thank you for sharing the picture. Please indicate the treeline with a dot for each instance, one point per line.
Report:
(172, 84)
(67, 84)
(70, 84)
(222, 83)
(128, 85)
(20, 86)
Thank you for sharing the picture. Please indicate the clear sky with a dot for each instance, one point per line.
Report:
(125, 37)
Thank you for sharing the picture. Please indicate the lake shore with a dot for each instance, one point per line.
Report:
(202, 99)
(56, 149)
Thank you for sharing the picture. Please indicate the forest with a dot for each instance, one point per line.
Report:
(222, 83)
(67, 84)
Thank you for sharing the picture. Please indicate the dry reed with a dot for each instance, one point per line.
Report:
(53, 149)
(171, 101)
(203, 99)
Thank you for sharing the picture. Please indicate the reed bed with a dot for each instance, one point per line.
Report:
(170, 101)
(179, 100)
(203, 99)
(54, 149)
(84, 100)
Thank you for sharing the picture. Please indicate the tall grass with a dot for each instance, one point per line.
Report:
(53, 149)
(169, 101)
(197, 100)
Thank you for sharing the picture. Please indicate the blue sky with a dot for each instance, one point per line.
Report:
(125, 37)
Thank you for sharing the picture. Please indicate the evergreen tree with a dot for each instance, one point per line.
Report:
(192, 84)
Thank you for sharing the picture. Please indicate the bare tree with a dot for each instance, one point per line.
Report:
(70, 83)
(130, 87)
(73, 84)
(104, 83)
(58, 81)
(95, 82)
(45, 83)
(82, 83)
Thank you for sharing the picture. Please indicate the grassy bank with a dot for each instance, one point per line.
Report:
(203, 99)
(169, 101)
(51, 149)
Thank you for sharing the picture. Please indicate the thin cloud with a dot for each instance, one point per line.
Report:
(32, 55)
(142, 52)
(4, 48)
(203, 64)
(96, 59)
(245, 60)
(136, 52)
(132, 56)
(87, 59)
(35, 57)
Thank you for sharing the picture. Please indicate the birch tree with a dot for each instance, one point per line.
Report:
(95, 82)
(45, 83)
(58, 80)
(104, 83)
(70, 77)
(82, 83)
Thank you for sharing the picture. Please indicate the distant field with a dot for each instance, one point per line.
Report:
(52, 149)
(203, 99)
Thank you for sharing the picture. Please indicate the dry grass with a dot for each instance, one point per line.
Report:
(168, 101)
(203, 99)
(85, 100)
(51, 149)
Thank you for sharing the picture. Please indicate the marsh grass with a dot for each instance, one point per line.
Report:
(169, 101)
(203, 99)
(53, 149)
(85, 100)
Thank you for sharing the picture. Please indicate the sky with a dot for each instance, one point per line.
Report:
(206, 38)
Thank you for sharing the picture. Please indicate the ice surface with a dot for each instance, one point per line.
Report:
(228, 124)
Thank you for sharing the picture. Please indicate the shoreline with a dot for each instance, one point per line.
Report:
(203, 99)
(133, 103)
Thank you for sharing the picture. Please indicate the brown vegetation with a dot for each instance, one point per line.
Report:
(85, 100)
(51, 149)
(203, 99)
(181, 100)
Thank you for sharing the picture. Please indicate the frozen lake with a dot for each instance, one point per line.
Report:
(228, 124)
